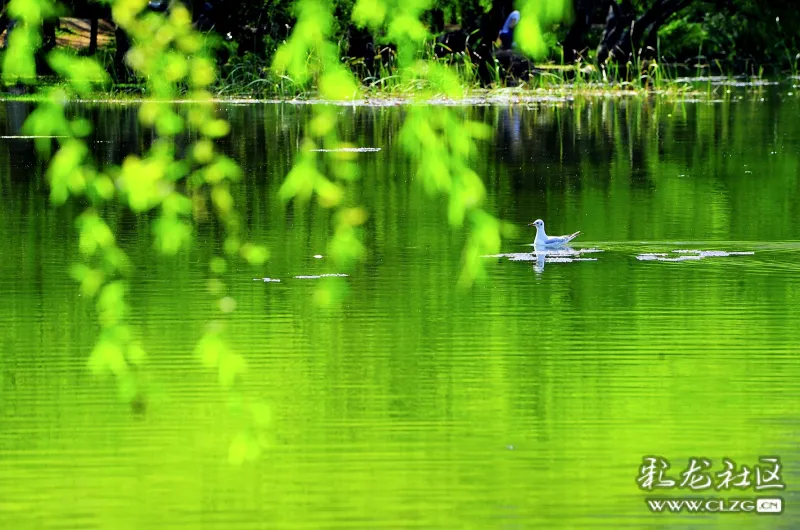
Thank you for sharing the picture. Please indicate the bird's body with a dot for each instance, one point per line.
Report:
(542, 240)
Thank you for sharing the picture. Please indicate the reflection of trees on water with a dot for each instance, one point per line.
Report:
(16, 112)
(509, 132)
(552, 147)
(17, 157)
(555, 147)
(603, 145)
(116, 133)
(615, 162)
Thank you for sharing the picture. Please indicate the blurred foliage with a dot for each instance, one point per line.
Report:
(309, 54)
(436, 139)
(173, 186)
(19, 63)
(324, 164)
(171, 57)
(738, 32)
(535, 15)
(443, 146)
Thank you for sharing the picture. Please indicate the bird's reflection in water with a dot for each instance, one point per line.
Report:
(540, 260)
(540, 257)
(562, 255)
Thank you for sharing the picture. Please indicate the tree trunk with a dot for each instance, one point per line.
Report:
(573, 43)
(123, 44)
(95, 22)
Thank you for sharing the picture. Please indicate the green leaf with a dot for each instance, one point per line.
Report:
(222, 199)
(111, 305)
(230, 366)
(135, 353)
(142, 181)
(231, 245)
(338, 84)
(345, 248)
(203, 151)
(128, 387)
(244, 448)
(330, 292)
(90, 279)
(254, 254)
(534, 15)
(46, 120)
(66, 167)
(172, 234)
(101, 188)
(369, 13)
(329, 194)
(31, 12)
(323, 123)
(176, 204)
(82, 73)
(175, 66)
(210, 349)
(94, 233)
(216, 128)
(218, 265)
(168, 123)
(107, 357)
(18, 61)
(202, 72)
(80, 128)
(406, 27)
(222, 168)
(116, 261)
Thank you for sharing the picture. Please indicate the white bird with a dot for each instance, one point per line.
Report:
(544, 241)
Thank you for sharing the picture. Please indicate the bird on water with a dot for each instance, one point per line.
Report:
(544, 241)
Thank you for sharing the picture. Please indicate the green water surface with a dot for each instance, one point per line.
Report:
(528, 401)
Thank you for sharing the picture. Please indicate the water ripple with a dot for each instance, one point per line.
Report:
(690, 255)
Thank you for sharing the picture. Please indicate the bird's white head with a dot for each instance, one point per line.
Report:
(539, 224)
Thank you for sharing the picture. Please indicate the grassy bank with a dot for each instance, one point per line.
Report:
(252, 80)
(551, 87)
(249, 77)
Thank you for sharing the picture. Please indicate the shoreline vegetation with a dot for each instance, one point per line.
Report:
(701, 88)
(249, 77)
(549, 81)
